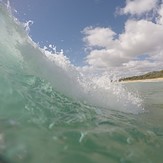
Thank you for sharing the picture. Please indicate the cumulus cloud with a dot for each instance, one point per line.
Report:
(98, 36)
(140, 37)
(139, 7)
(139, 46)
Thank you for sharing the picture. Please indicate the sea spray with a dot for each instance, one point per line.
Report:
(30, 59)
(51, 111)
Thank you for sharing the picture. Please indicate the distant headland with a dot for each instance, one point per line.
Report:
(151, 76)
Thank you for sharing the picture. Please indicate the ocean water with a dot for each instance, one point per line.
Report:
(50, 111)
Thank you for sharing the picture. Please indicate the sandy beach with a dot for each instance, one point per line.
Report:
(144, 80)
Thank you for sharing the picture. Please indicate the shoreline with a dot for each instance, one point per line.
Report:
(143, 80)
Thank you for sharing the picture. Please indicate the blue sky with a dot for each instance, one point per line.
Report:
(60, 22)
(120, 35)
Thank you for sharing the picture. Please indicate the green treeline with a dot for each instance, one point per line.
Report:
(150, 75)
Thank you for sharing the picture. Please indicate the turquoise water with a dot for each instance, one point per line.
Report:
(51, 113)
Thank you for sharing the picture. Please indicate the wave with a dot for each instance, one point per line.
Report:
(21, 58)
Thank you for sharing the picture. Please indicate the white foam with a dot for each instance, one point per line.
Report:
(55, 67)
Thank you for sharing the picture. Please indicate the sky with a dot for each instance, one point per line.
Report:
(99, 35)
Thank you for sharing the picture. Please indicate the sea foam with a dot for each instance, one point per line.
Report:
(29, 58)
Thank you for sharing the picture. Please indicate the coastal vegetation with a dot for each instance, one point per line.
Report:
(150, 75)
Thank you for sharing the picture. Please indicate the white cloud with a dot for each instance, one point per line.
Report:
(140, 38)
(139, 7)
(98, 36)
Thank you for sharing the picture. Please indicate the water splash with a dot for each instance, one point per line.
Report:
(19, 54)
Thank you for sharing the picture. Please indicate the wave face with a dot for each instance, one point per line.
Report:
(19, 55)
(50, 110)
